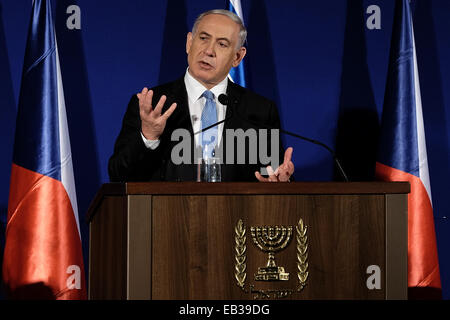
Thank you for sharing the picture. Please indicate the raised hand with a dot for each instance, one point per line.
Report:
(283, 172)
(152, 121)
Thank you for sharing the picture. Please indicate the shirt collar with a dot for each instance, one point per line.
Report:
(195, 89)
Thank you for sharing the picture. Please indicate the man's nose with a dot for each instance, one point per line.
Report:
(209, 49)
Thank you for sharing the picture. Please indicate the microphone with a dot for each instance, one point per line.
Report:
(225, 100)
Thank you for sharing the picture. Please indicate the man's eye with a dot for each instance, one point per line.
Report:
(202, 38)
(223, 44)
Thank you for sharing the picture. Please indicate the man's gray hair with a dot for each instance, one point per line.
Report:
(229, 14)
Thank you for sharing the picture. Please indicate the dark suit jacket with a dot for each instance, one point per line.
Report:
(132, 161)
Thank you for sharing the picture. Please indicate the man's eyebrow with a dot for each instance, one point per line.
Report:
(226, 39)
(204, 33)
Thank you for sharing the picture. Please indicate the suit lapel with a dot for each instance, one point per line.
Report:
(234, 93)
(181, 116)
(181, 119)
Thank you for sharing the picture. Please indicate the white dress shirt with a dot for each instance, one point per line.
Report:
(196, 103)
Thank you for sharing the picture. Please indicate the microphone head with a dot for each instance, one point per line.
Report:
(223, 99)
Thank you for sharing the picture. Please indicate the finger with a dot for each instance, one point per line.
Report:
(288, 154)
(277, 172)
(286, 171)
(284, 176)
(270, 171)
(142, 94)
(169, 111)
(260, 177)
(159, 106)
(146, 100)
(290, 168)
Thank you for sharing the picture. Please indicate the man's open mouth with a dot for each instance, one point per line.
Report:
(205, 65)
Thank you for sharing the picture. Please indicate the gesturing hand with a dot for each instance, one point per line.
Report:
(152, 121)
(283, 172)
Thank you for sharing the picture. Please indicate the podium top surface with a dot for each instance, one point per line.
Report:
(247, 188)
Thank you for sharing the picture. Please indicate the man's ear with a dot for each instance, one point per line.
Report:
(188, 41)
(240, 54)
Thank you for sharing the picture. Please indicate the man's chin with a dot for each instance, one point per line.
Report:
(205, 78)
(202, 73)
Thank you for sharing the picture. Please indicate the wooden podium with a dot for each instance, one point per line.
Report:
(189, 240)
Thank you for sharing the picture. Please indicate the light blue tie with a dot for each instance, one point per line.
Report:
(209, 137)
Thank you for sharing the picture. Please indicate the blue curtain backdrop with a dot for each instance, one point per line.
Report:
(316, 59)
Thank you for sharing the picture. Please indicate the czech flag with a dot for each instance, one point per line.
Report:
(237, 75)
(43, 253)
(403, 155)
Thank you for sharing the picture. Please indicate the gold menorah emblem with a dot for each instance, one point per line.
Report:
(271, 240)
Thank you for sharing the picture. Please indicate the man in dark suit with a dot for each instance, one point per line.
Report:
(144, 148)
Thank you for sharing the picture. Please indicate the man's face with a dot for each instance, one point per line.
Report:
(212, 50)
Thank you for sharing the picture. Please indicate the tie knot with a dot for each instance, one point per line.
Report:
(208, 95)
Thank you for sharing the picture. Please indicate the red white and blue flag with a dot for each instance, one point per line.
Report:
(237, 74)
(403, 155)
(43, 253)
